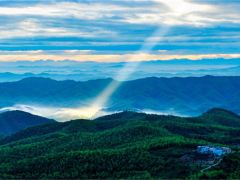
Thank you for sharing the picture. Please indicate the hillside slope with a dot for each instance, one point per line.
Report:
(13, 121)
(185, 96)
(123, 145)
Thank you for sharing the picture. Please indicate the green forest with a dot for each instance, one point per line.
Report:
(123, 145)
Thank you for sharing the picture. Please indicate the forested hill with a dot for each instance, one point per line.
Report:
(13, 121)
(171, 95)
(122, 145)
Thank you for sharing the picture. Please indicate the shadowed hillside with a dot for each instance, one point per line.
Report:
(170, 95)
(13, 121)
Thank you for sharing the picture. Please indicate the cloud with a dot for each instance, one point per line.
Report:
(80, 10)
(32, 28)
(120, 27)
(180, 12)
(89, 55)
(58, 113)
(171, 12)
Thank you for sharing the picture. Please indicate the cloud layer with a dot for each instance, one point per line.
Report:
(113, 28)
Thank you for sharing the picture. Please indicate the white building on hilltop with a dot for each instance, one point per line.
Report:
(216, 151)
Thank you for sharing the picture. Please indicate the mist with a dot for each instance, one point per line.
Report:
(58, 113)
(63, 114)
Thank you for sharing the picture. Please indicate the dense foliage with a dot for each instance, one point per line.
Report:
(123, 145)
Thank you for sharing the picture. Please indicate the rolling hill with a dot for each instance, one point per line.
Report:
(123, 145)
(182, 96)
(13, 121)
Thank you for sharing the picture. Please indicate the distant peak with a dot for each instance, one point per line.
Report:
(36, 78)
(124, 115)
(217, 111)
(16, 112)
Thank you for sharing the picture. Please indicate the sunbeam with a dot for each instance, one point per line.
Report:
(177, 8)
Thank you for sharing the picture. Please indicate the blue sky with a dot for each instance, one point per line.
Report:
(113, 30)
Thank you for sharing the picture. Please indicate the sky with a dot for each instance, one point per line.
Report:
(116, 30)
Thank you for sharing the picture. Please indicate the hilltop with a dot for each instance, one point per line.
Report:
(13, 121)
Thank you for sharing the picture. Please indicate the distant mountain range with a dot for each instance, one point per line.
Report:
(82, 71)
(125, 145)
(13, 121)
(183, 96)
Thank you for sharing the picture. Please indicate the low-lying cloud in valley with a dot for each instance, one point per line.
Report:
(57, 113)
(62, 114)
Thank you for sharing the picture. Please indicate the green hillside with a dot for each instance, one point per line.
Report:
(123, 145)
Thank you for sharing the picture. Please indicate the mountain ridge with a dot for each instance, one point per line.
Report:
(13, 121)
(177, 95)
(116, 119)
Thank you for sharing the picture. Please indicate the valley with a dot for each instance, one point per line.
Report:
(66, 100)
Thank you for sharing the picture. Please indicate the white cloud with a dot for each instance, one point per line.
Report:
(57, 113)
(89, 55)
(78, 51)
(180, 12)
(30, 27)
(172, 12)
(104, 23)
(91, 11)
